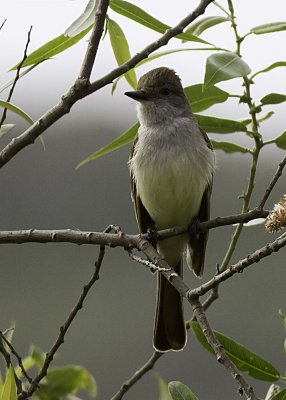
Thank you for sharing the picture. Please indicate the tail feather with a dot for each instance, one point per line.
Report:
(169, 329)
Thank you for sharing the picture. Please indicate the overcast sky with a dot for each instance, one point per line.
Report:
(50, 18)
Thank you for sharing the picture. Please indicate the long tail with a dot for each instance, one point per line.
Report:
(169, 329)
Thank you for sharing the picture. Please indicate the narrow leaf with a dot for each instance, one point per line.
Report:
(266, 116)
(269, 28)
(85, 20)
(273, 98)
(228, 147)
(253, 222)
(16, 110)
(277, 64)
(244, 359)
(5, 129)
(199, 26)
(163, 389)
(202, 99)
(179, 391)
(52, 48)
(121, 50)
(224, 66)
(280, 141)
(117, 143)
(219, 125)
(280, 396)
(140, 16)
(9, 389)
(273, 390)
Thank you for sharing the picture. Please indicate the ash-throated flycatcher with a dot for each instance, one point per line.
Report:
(171, 166)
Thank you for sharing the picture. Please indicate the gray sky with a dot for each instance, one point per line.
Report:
(50, 18)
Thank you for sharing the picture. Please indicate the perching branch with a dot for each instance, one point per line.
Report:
(63, 329)
(81, 88)
(118, 239)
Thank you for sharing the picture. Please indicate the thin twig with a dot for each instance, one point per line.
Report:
(3, 23)
(17, 76)
(275, 178)
(64, 328)
(138, 375)
(80, 89)
(146, 263)
(252, 258)
(18, 357)
(222, 358)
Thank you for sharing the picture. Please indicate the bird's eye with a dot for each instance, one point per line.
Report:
(166, 91)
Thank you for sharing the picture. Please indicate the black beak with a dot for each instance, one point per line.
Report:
(137, 95)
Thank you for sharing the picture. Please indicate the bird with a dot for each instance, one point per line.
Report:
(171, 168)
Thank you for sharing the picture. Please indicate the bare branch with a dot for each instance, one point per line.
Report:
(17, 76)
(275, 178)
(64, 328)
(222, 358)
(80, 89)
(118, 238)
(138, 375)
(252, 258)
(94, 40)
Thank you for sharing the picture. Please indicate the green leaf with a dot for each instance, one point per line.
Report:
(121, 49)
(280, 141)
(244, 359)
(202, 99)
(51, 48)
(163, 389)
(138, 15)
(62, 381)
(117, 143)
(280, 396)
(199, 26)
(6, 129)
(266, 116)
(179, 391)
(219, 125)
(85, 20)
(273, 98)
(224, 66)
(228, 147)
(269, 28)
(277, 64)
(10, 389)
(16, 110)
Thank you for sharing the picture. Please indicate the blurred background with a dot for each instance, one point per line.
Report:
(39, 284)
